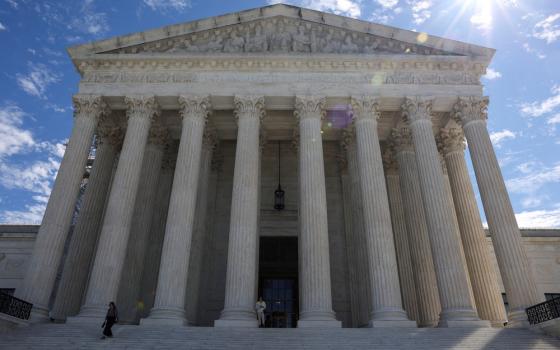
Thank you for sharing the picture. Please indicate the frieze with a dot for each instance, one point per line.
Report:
(398, 77)
(281, 35)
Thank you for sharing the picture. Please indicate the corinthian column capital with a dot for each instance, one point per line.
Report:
(453, 140)
(196, 107)
(390, 161)
(348, 138)
(470, 108)
(365, 107)
(110, 133)
(402, 139)
(159, 135)
(89, 106)
(417, 108)
(310, 107)
(249, 106)
(141, 106)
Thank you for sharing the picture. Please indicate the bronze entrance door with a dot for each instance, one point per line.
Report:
(278, 280)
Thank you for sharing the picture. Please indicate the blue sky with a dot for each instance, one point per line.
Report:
(523, 82)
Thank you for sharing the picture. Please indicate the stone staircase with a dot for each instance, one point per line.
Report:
(61, 336)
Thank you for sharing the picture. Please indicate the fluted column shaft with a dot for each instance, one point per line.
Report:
(129, 288)
(427, 295)
(243, 231)
(406, 275)
(38, 283)
(359, 252)
(353, 278)
(157, 232)
(113, 240)
(452, 278)
(169, 305)
(200, 233)
(82, 246)
(315, 279)
(481, 268)
(518, 280)
(382, 261)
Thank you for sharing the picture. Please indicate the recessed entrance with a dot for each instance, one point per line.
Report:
(278, 280)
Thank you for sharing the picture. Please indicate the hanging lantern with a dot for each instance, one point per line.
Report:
(279, 193)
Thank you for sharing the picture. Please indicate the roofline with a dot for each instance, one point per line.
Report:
(290, 11)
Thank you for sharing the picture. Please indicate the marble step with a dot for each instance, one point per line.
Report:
(62, 336)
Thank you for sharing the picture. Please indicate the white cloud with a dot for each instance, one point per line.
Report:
(89, 21)
(389, 4)
(13, 139)
(539, 218)
(500, 136)
(555, 119)
(349, 8)
(12, 3)
(548, 29)
(2, 27)
(492, 74)
(530, 183)
(538, 108)
(166, 5)
(35, 177)
(37, 80)
(380, 17)
(531, 50)
(483, 19)
(421, 10)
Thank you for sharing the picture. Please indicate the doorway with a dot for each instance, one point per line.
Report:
(278, 280)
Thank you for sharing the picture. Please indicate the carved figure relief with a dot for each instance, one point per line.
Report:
(280, 35)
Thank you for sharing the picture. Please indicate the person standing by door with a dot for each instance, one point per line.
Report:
(260, 307)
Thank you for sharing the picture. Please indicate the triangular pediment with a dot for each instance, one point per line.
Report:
(280, 29)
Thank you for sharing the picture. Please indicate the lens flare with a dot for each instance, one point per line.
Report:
(422, 38)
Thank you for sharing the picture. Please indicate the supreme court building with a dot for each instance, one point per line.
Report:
(200, 126)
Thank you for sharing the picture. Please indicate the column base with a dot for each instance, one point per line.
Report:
(89, 314)
(517, 318)
(221, 323)
(464, 323)
(165, 316)
(319, 324)
(237, 318)
(39, 314)
(461, 318)
(392, 323)
(318, 319)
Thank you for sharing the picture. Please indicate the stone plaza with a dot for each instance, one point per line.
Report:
(365, 126)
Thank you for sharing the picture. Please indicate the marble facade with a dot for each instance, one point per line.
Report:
(188, 118)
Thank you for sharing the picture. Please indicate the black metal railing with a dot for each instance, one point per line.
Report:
(15, 307)
(542, 312)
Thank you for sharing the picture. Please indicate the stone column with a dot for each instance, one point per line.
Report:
(408, 288)
(427, 296)
(351, 246)
(387, 308)
(169, 305)
(360, 254)
(200, 233)
(157, 231)
(481, 268)
(315, 279)
(452, 278)
(38, 283)
(243, 231)
(518, 280)
(129, 287)
(82, 245)
(111, 248)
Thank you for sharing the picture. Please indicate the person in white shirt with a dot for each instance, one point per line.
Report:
(260, 306)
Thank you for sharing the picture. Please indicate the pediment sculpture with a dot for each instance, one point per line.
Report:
(280, 35)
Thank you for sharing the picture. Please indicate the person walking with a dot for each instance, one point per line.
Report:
(260, 307)
(111, 318)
